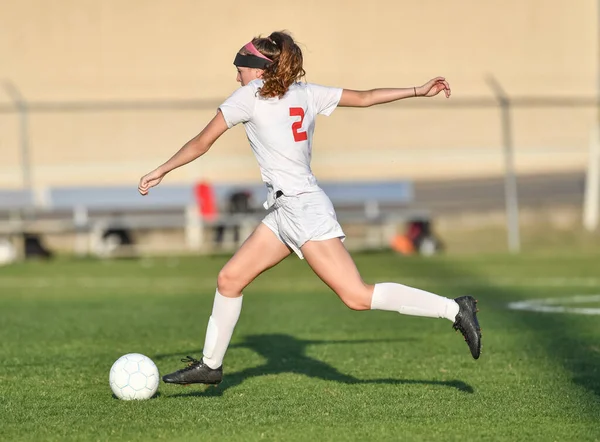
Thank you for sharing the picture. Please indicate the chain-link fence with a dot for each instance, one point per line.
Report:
(49, 144)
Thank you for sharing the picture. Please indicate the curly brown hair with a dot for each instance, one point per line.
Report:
(286, 67)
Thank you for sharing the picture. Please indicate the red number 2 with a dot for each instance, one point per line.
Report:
(297, 125)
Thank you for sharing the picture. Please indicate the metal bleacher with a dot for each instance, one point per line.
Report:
(119, 197)
(16, 199)
(87, 211)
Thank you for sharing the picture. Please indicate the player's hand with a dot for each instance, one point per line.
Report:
(434, 87)
(150, 180)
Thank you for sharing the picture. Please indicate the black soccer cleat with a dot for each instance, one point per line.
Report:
(466, 322)
(196, 372)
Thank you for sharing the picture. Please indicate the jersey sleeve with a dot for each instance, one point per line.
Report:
(325, 99)
(239, 107)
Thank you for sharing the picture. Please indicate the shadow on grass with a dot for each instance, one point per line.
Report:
(568, 339)
(286, 354)
(565, 337)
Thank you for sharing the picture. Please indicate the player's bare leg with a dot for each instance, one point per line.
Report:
(261, 251)
(330, 260)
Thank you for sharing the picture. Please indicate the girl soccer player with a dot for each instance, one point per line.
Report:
(278, 112)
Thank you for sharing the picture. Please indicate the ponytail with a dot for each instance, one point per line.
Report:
(286, 67)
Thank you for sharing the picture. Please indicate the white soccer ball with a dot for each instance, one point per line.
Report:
(134, 376)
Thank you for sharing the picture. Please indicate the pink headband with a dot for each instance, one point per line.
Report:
(252, 49)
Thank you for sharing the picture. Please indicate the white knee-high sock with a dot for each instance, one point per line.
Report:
(225, 314)
(411, 301)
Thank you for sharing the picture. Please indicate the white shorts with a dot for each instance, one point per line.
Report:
(306, 217)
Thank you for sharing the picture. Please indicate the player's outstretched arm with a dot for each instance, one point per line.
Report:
(433, 87)
(193, 149)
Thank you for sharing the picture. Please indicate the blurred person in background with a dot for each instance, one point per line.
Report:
(278, 112)
(239, 202)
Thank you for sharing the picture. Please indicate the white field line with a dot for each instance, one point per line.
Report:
(557, 305)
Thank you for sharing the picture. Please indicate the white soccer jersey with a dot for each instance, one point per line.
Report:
(280, 131)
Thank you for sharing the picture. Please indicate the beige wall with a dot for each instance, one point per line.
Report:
(101, 50)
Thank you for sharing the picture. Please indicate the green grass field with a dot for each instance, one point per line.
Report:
(301, 365)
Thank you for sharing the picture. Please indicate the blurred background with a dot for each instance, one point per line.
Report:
(94, 94)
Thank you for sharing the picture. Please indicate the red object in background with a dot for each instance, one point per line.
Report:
(414, 230)
(205, 198)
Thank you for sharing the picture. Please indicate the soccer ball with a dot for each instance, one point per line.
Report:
(133, 376)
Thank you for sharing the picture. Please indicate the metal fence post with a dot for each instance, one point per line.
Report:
(591, 203)
(510, 178)
(23, 110)
(591, 199)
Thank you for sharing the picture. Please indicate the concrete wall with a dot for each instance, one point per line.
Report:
(84, 50)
